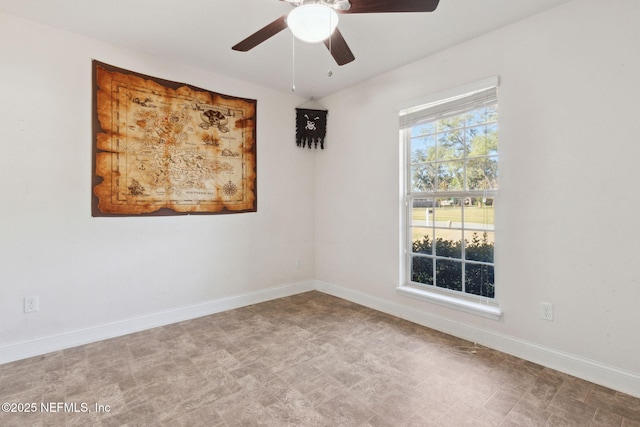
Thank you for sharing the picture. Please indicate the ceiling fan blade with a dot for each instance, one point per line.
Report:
(339, 48)
(387, 6)
(262, 34)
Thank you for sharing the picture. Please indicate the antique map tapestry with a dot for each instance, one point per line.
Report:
(166, 148)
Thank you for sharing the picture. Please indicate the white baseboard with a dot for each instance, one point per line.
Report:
(35, 347)
(608, 376)
(599, 373)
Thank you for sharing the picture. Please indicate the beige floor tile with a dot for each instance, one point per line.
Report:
(307, 360)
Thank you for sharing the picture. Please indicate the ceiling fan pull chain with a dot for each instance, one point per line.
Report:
(293, 63)
(330, 32)
(330, 73)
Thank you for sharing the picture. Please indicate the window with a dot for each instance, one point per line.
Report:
(451, 170)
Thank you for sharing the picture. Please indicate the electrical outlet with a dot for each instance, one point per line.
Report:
(31, 304)
(298, 263)
(546, 310)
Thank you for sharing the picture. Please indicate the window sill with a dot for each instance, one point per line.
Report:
(485, 310)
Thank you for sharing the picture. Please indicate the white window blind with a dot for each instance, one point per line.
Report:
(486, 93)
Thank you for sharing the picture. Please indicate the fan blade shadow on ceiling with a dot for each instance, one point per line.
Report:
(339, 49)
(262, 34)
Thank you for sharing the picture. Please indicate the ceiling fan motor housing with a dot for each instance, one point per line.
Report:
(339, 5)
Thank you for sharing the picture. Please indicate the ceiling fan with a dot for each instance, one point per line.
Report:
(322, 15)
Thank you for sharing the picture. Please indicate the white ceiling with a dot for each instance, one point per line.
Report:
(201, 32)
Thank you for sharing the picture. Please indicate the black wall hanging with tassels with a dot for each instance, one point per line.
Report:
(311, 127)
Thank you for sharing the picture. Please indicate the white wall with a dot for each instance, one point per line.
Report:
(89, 271)
(567, 213)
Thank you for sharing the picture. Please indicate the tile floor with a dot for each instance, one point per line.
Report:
(305, 360)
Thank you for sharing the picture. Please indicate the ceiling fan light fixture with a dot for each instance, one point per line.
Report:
(312, 23)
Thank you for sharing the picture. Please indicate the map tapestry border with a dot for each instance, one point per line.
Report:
(167, 148)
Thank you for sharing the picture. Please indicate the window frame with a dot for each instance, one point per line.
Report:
(471, 303)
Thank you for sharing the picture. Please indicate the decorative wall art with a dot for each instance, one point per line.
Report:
(311, 126)
(167, 148)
